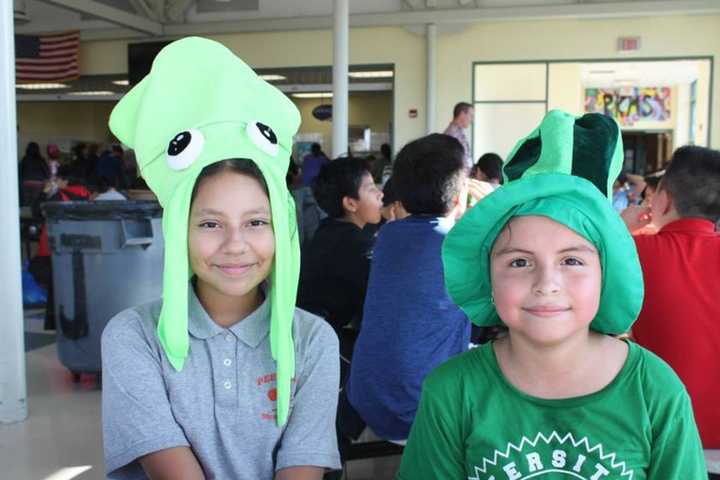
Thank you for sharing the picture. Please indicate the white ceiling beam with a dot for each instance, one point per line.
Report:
(110, 14)
(175, 10)
(414, 4)
(422, 17)
(142, 7)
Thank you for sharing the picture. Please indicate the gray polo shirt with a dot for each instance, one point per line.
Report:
(222, 404)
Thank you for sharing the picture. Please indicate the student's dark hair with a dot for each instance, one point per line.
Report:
(428, 174)
(461, 107)
(69, 173)
(693, 181)
(338, 179)
(651, 181)
(316, 149)
(32, 150)
(241, 166)
(106, 182)
(389, 193)
(491, 165)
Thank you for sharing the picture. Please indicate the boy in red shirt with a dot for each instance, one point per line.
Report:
(680, 318)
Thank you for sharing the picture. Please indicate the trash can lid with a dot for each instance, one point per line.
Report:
(104, 210)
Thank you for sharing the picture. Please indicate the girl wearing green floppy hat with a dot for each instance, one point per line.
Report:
(558, 395)
(223, 378)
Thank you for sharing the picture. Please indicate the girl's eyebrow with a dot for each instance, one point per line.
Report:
(208, 211)
(212, 211)
(509, 250)
(578, 248)
(573, 248)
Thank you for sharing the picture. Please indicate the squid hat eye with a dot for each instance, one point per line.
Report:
(184, 149)
(263, 137)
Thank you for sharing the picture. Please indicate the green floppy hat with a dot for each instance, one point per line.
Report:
(200, 104)
(563, 170)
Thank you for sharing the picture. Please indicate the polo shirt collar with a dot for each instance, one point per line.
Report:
(251, 330)
(695, 225)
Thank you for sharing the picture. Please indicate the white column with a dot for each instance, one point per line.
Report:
(431, 40)
(13, 405)
(341, 31)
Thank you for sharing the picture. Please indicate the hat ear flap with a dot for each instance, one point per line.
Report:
(123, 118)
(597, 151)
(172, 327)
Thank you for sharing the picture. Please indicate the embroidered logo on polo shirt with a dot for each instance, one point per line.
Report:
(267, 384)
(547, 456)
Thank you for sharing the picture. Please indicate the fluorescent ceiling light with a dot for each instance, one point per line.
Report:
(376, 74)
(272, 77)
(98, 92)
(41, 86)
(313, 95)
(124, 83)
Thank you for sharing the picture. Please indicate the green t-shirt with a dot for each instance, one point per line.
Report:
(473, 424)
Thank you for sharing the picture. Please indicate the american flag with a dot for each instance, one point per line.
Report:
(47, 58)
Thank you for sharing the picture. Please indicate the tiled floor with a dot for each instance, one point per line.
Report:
(62, 431)
(62, 440)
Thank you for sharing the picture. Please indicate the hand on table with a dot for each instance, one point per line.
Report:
(478, 190)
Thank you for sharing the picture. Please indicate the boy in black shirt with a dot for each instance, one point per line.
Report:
(335, 266)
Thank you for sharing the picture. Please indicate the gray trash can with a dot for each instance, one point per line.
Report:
(106, 257)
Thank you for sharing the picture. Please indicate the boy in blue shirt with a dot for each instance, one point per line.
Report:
(410, 325)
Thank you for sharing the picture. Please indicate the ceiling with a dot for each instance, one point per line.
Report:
(100, 19)
(290, 80)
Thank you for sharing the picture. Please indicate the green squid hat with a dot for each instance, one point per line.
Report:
(563, 170)
(201, 104)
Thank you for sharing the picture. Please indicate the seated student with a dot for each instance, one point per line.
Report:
(335, 266)
(680, 318)
(223, 378)
(307, 210)
(392, 207)
(107, 190)
(488, 169)
(410, 325)
(558, 396)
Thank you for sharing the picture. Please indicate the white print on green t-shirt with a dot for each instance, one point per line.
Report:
(548, 455)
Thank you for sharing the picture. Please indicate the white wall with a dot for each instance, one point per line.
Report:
(681, 112)
(670, 36)
(565, 91)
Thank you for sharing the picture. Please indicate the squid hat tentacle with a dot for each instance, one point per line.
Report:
(200, 104)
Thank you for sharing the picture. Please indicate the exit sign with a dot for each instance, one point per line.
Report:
(628, 44)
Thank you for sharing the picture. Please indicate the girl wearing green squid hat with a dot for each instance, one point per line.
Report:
(558, 396)
(222, 378)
